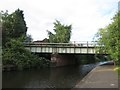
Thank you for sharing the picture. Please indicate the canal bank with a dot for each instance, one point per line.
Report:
(100, 77)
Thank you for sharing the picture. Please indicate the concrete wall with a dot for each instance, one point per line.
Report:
(62, 60)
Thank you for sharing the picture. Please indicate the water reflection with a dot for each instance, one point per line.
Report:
(62, 77)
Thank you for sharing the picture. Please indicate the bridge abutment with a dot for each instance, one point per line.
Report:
(62, 60)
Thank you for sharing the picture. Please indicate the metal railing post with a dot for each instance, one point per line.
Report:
(87, 46)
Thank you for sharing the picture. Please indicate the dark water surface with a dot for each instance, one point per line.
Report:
(61, 77)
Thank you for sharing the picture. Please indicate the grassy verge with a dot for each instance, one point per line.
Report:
(117, 68)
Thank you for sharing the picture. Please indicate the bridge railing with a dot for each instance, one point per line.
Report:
(70, 44)
(72, 47)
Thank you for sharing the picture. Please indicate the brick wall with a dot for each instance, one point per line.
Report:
(62, 60)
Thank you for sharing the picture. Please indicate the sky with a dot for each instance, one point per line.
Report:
(85, 16)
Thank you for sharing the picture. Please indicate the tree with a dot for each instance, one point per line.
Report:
(15, 54)
(110, 38)
(28, 39)
(62, 33)
(13, 25)
(14, 34)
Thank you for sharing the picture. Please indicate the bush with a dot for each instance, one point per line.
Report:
(15, 54)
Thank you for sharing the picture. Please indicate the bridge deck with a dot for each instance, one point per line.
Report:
(61, 48)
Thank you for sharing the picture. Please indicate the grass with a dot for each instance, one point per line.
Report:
(117, 68)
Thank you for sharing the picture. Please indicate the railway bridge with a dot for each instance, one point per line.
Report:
(63, 53)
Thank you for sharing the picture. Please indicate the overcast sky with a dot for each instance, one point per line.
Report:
(86, 16)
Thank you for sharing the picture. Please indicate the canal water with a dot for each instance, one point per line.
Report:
(62, 77)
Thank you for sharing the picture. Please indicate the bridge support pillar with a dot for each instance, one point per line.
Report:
(62, 60)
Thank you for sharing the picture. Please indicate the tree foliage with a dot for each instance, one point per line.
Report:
(62, 33)
(13, 25)
(28, 39)
(14, 34)
(110, 38)
(15, 54)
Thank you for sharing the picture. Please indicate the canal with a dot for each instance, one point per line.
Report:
(62, 77)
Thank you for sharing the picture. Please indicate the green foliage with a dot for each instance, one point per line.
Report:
(28, 39)
(13, 25)
(14, 34)
(15, 54)
(109, 37)
(62, 33)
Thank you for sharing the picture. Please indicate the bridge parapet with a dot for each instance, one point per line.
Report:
(62, 48)
(71, 44)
